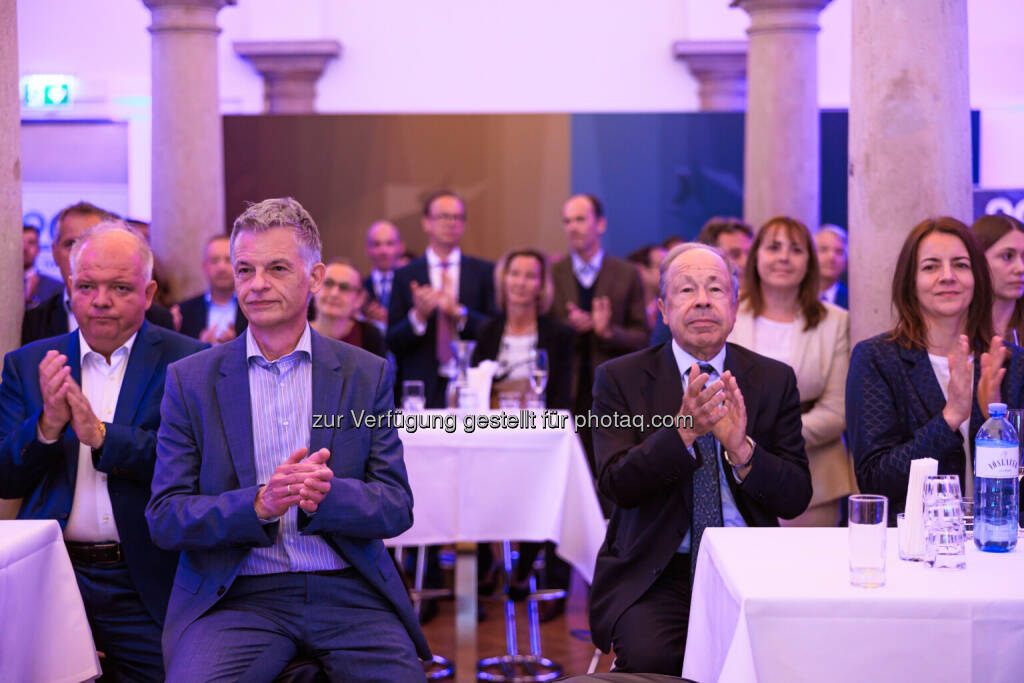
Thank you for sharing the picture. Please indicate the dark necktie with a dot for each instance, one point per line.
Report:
(707, 496)
(385, 289)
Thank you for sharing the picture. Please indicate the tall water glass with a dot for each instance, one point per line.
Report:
(867, 529)
(1016, 418)
(944, 534)
(413, 398)
(538, 378)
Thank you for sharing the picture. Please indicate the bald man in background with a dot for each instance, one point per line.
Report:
(384, 248)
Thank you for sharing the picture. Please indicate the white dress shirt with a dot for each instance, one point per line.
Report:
(586, 271)
(220, 316)
(830, 294)
(92, 516)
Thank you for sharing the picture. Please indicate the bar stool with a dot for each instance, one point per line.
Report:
(513, 666)
(439, 667)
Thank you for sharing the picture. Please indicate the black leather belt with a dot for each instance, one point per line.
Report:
(95, 553)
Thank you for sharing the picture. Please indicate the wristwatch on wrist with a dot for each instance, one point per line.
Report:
(729, 459)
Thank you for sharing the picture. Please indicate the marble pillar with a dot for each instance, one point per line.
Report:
(782, 157)
(188, 147)
(910, 139)
(720, 67)
(12, 284)
(290, 70)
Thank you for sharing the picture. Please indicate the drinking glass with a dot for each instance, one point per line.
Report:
(1016, 418)
(944, 523)
(868, 519)
(413, 398)
(538, 377)
(968, 517)
(508, 400)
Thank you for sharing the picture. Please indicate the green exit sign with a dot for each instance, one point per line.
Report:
(46, 90)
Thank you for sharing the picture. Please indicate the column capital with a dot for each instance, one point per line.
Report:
(290, 70)
(782, 15)
(190, 16)
(720, 67)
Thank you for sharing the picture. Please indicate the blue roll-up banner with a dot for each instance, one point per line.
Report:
(999, 201)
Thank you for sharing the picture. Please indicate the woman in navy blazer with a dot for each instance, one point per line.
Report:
(916, 391)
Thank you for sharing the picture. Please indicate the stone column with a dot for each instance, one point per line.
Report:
(188, 147)
(290, 70)
(12, 285)
(910, 139)
(781, 158)
(720, 67)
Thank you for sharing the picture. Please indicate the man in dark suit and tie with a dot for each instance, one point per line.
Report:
(384, 247)
(830, 242)
(214, 316)
(740, 461)
(276, 497)
(55, 316)
(38, 287)
(78, 424)
(443, 296)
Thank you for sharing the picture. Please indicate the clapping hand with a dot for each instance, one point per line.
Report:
(961, 381)
(295, 482)
(424, 300)
(731, 430)
(601, 315)
(579, 319)
(992, 373)
(704, 404)
(53, 371)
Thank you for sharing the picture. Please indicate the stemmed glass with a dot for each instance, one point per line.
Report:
(538, 376)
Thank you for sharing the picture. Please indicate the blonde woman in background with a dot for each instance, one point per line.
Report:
(780, 316)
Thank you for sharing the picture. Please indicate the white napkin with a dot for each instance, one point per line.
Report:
(913, 513)
(480, 379)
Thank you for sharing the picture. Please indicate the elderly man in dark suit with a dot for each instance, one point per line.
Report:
(78, 423)
(281, 519)
(55, 315)
(440, 297)
(738, 461)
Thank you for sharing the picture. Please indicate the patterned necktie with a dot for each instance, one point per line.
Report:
(445, 322)
(385, 289)
(707, 497)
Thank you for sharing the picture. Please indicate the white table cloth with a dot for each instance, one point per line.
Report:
(45, 636)
(497, 484)
(777, 605)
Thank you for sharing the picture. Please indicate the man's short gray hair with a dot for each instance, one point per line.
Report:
(142, 246)
(680, 249)
(281, 212)
(835, 230)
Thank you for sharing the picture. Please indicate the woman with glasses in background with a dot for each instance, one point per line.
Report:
(338, 302)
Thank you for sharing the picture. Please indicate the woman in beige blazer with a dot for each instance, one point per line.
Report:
(781, 317)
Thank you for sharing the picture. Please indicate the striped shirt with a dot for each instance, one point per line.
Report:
(281, 403)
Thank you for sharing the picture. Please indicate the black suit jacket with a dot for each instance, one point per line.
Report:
(417, 355)
(49, 319)
(894, 415)
(193, 317)
(44, 474)
(553, 337)
(648, 475)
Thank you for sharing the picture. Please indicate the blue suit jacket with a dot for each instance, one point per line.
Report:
(894, 416)
(417, 355)
(44, 475)
(205, 485)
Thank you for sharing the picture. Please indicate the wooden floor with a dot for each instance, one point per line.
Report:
(557, 640)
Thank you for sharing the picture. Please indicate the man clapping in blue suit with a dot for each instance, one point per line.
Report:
(78, 423)
(281, 522)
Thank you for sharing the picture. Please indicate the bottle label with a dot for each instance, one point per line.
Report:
(996, 463)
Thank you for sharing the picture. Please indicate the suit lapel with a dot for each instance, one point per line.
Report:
(73, 351)
(235, 410)
(667, 390)
(745, 373)
(328, 384)
(922, 379)
(467, 281)
(142, 363)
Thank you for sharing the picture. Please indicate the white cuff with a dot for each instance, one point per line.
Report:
(418, 328)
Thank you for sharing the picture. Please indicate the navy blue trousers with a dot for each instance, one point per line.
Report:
(263, 622)
(123, 629)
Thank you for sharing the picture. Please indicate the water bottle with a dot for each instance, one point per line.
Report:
(996, 462)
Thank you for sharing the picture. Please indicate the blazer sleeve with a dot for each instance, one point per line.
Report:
(633, 334)
(401, 338)
(826, 421)
(562, 362)
(779, 478)
(882, 451)
(629, 472)
(380, 504)
(24, 460)
(179, 516)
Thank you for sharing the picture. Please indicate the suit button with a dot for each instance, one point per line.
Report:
(220, 590)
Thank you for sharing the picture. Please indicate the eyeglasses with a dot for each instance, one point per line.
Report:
(343, 287)
(459, 217)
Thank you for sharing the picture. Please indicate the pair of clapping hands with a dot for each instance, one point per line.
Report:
(426, 299)
(961, 380)
(598, 320)
(298, 481)
(718, 408)
(64, 403)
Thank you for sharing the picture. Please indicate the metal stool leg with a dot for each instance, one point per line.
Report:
(513, 666)
(438, 668)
